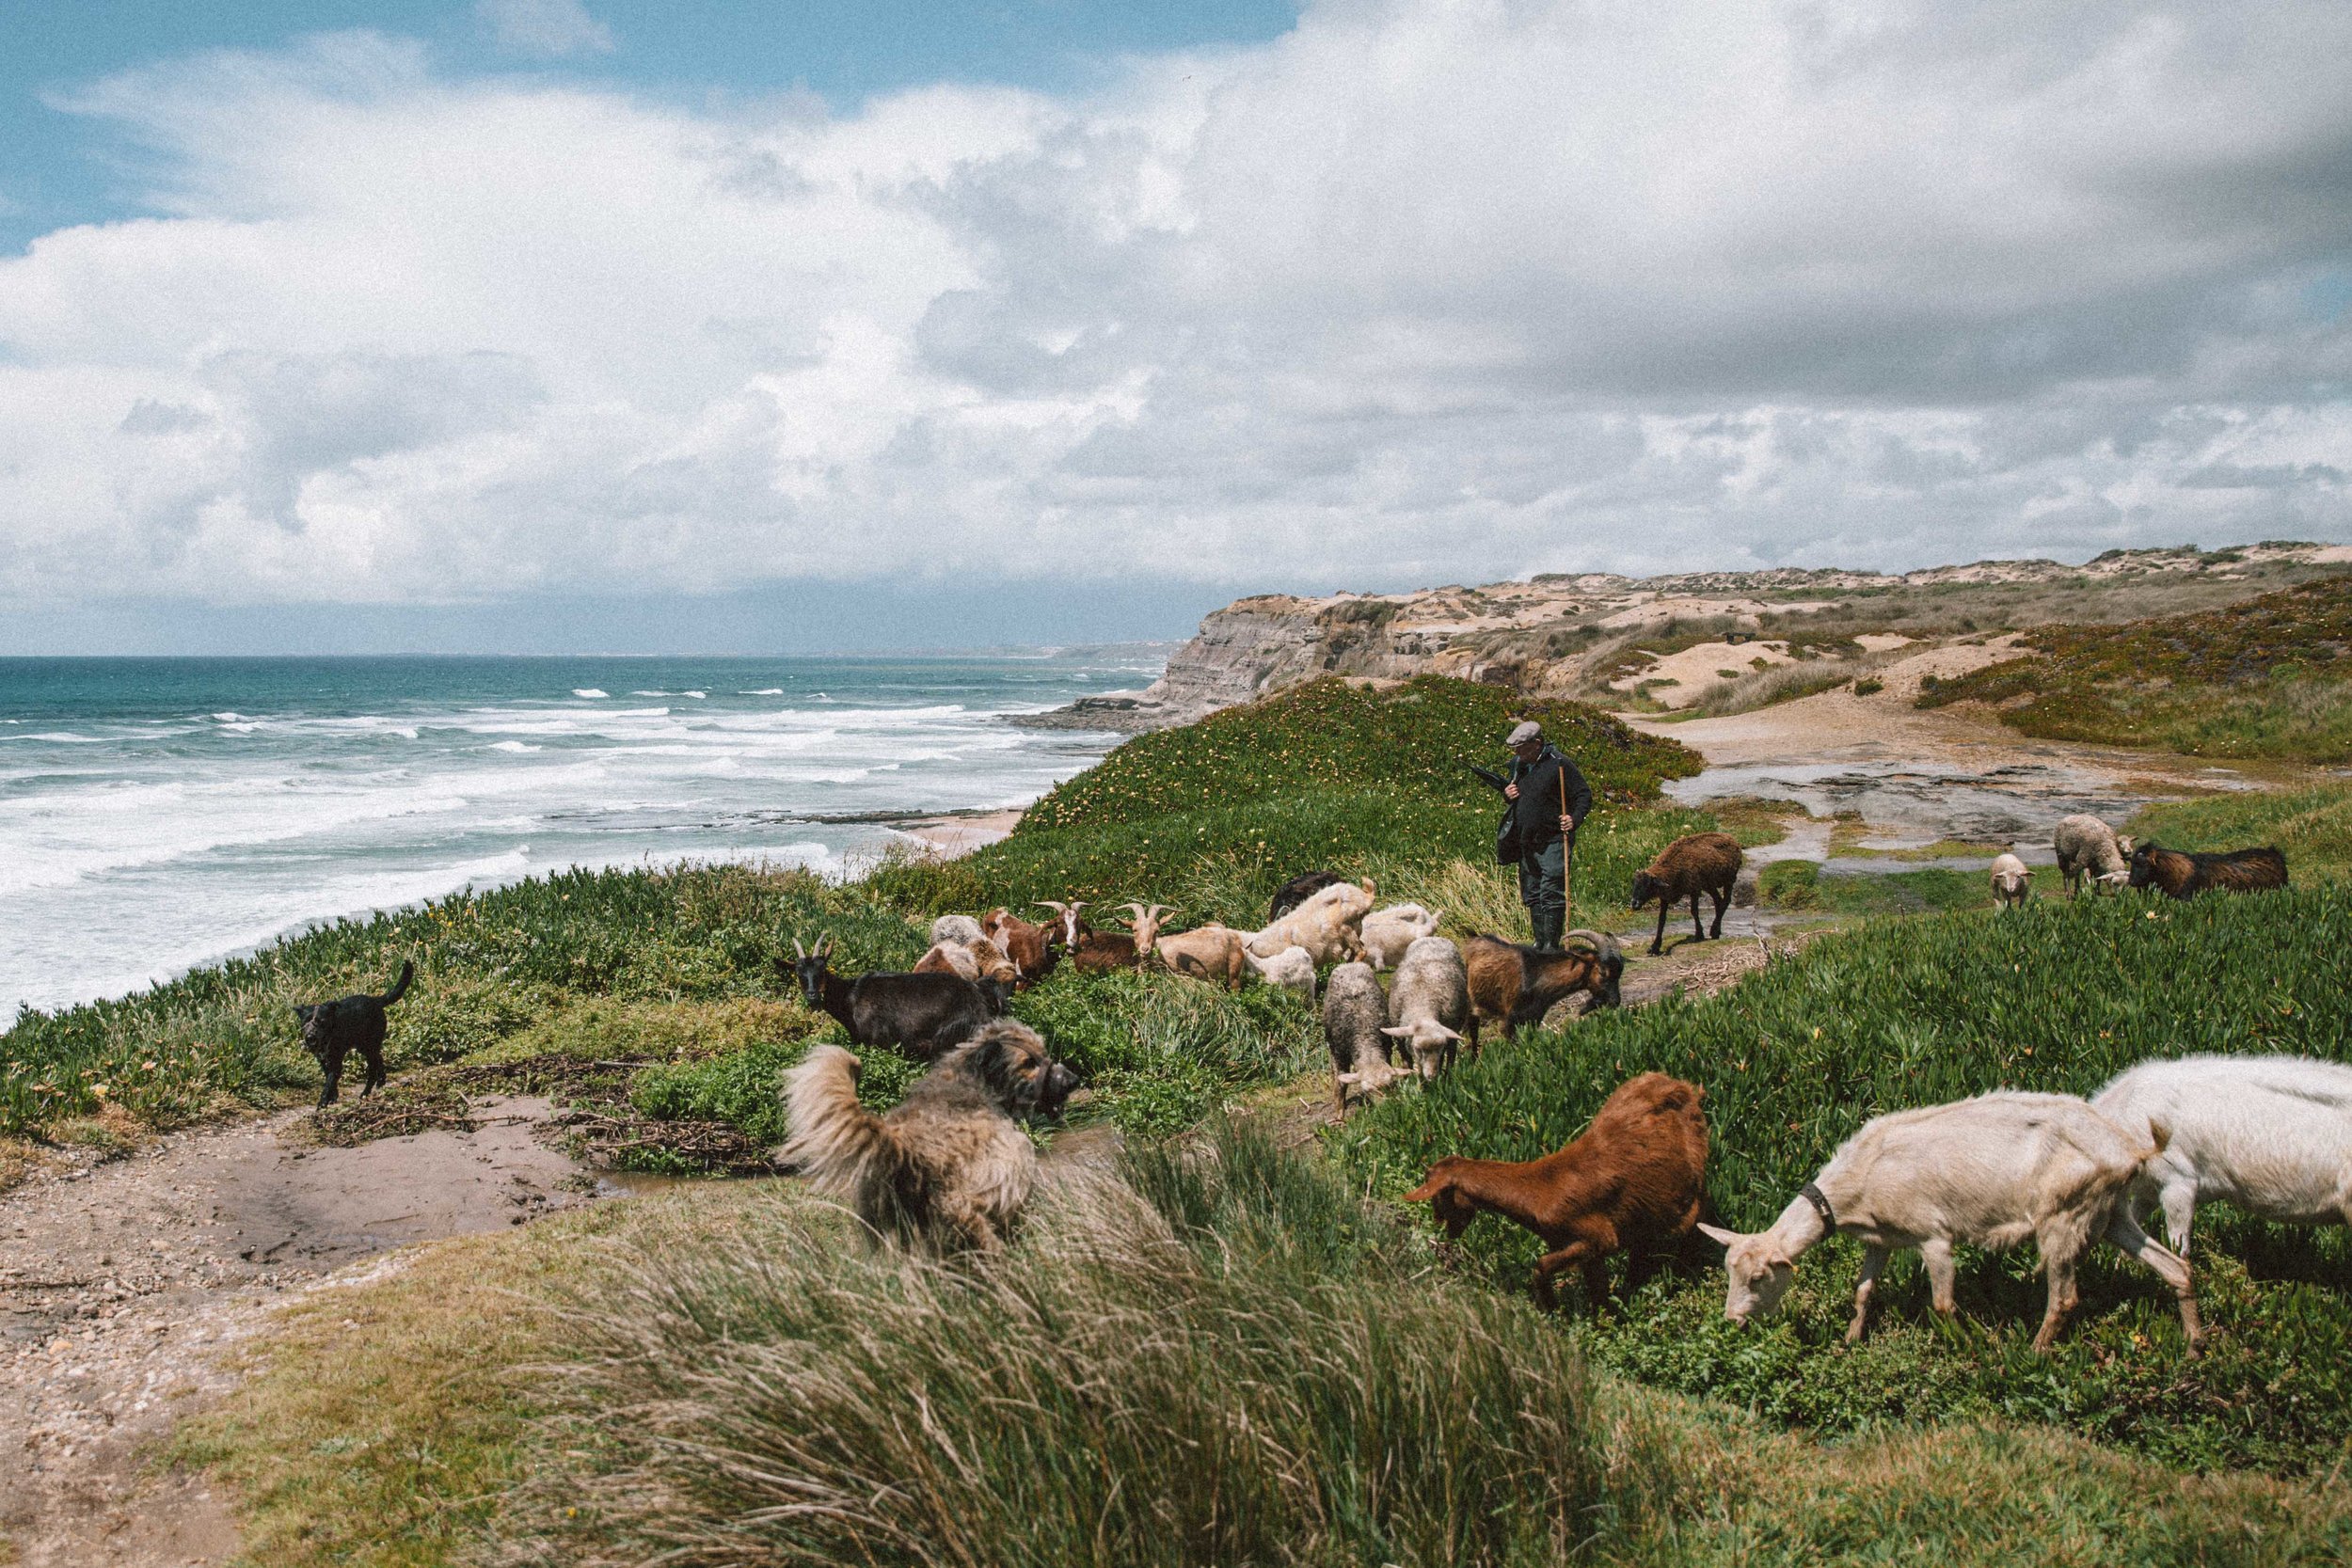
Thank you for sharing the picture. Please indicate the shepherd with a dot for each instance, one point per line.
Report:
(1549, 798)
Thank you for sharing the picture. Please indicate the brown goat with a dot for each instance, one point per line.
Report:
(1100, 951)
(1692, 864)
(1031, 947)
(2186, 876)
(1634, 1183)
(1518, 986)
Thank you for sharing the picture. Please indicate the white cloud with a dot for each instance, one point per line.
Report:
(1416, 293)
(555, 29)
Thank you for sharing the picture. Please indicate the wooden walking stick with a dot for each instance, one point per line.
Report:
(1568, 856)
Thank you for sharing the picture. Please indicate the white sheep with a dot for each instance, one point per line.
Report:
(2271, 1134)
(1429, 1004)
(960, 931)
(1990, 1172)
(1354, 1012)
(1293, 968)
(1387, 933)
(2088, 848)
(2012, 882)
(1328, 925)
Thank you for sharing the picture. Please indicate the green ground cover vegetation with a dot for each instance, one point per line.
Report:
(1238, 1293)
(2267, 678)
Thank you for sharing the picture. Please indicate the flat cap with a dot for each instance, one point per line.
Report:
(1525, 731)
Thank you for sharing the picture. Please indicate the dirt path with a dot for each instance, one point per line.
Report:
(1920, 775)
(122, 1284)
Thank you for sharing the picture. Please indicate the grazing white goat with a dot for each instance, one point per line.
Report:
(1429, 1004)
(1328, 925)
(1387, 933)
(1293, 968)
(1990, 1172)
(2271, 1134)
(2088, 848)
(2012, 882)
(1353, 1014)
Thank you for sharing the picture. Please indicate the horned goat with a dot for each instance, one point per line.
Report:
(1515, 986)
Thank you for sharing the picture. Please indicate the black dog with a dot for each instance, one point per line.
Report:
(332, 1030)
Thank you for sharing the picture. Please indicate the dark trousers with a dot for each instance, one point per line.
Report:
(1544, 889)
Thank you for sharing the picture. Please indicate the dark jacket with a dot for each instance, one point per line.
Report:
(1536, 812)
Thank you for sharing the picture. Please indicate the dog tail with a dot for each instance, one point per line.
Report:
(840, 1146)
(400, 986)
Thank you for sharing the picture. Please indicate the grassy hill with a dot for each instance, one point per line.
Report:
(2267, 678)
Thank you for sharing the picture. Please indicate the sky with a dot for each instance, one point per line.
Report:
(607, 325)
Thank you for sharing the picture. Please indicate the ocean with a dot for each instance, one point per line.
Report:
(159, 813)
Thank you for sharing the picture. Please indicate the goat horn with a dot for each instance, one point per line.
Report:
(1053, 904)
(798, 951)
(824, 945)
(1601, 942)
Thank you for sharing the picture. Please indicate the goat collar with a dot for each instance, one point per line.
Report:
(1812, 1195)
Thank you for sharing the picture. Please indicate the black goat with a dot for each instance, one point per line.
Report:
(2186, 876)
(1298, 890)
(923, 1015)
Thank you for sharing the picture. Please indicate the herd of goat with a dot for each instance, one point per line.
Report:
(2271, 1134)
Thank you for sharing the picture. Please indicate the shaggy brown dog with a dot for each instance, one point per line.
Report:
(950, 1168)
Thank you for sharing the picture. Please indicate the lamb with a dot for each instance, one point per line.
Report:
(1291, 968)
(1210, 952)
(2088, 847)
(1033, 949)
(1354, 1016)
(923, 1015)
(1692, 864)
(1328, 925)
(2271, 1134)
(1298, 890)
(1387, 933)
(1633, 1182)
(1990, 1172)
(1096, 952)
(2184, 875)
(2012, 882)
(1516, 986)
(1429, 1004)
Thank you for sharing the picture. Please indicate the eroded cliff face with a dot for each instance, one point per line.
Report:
(1568, 635)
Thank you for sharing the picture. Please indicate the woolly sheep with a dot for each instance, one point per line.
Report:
(960, 931)
(1429, 1004)
(1354, 1015)
(1387, 933)
(2088, 848)
(2012, 880)
(1988, 1172)
(2271, 1134)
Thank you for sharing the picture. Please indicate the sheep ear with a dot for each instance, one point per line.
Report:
(1719, 1235)
(1448, 1033)
(1398, 1031)
(1351, 1077)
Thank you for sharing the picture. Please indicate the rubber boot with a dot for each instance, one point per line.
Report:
(1548, 924)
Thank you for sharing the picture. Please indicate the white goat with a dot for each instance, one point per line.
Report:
(1991, 1172)
(2012, 882)
(2088, 848)
(1429, 1004)
(2271, 1134)
(1328, 925)
(1387, 933)
(1293, 968)
(1353, 1012)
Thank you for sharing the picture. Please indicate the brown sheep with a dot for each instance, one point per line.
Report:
(1518, 986)
(2186, 876)
(1692, 864)
(1634, 1183)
